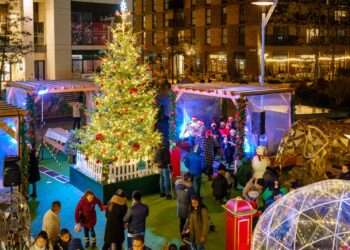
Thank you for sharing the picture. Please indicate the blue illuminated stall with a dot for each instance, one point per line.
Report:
(268, 110)
(11, 119)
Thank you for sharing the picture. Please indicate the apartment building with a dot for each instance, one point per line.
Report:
(69, 37)
(219, 39)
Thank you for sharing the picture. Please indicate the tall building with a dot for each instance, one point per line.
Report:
(220, 38)
(69, 37)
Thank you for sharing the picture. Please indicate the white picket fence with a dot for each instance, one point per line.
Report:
(118, 171)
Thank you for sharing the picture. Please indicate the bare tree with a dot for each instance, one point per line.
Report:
(13, 38)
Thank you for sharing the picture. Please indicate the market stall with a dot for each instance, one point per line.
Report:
(263, 114)
(11, 133)
(51, 99)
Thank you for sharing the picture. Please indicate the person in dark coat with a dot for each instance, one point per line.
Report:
(135, 218)
(85, 215)
(66, 242)
(345, 172)
(229, 146)
(184, 192)
(33, 170)
(194, 163)
(114, 232)
(220, 184)
(63, 240)
(208, 149)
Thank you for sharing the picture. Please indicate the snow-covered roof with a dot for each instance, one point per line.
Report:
(229, 90)
(57, 86)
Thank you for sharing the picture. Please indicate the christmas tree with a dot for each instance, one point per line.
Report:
(122, 126)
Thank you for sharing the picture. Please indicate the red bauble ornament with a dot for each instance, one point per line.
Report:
(133, 90)
(136, 146)
(86, 158)
(98, 161)
(99, 137)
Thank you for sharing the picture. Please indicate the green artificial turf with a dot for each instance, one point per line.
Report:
(162, 223)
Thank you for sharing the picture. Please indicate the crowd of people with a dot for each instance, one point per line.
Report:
(122, 222)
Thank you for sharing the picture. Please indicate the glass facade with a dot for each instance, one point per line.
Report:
(90, 23)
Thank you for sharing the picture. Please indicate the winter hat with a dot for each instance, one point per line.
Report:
(120, 192)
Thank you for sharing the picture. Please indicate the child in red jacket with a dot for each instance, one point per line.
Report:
(85, 216)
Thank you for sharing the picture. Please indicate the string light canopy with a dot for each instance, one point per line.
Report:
(263, 3)
(316, 216)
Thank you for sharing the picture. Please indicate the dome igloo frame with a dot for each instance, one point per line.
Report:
(316, 216)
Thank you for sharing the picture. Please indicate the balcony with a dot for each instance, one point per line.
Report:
(39, 42)
(96, 33)
(281, 40)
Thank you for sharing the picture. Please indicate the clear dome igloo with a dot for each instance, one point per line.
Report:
(316, 216)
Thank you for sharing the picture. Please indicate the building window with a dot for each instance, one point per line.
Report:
(340, 15)
(312, 34)
(241, 13)
(208, 16)
(224, 36)
(154, 21)
(181, 36)
(241, 36)
(143, 22)
(166, 4)
(166, 38)
(207, 36)
(193, 36)
(217, 63)
(224, 16)
(193, 2)
(208, 1)
(154, 5)
(144, 6)
(193, 16)
(340, 33)
(144, 38)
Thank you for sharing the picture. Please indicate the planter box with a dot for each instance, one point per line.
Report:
(146, 184)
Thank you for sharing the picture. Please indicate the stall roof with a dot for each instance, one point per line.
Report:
(9, 110)
(59, 86)
(230, 90)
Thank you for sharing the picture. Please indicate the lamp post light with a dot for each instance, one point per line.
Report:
(264, 20)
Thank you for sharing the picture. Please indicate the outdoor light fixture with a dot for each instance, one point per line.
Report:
(263, 3)
(43, 91)
(264, 20)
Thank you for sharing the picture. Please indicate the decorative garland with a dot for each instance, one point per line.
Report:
(241, 122)
(172, 118)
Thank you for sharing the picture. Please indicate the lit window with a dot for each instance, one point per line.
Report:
(208, 1)
(208, 36)
(208, 16)
(166, 37)
(144, 37)
(217, 63)
(312, 34)
(224, 15)
(224, 36)
(193, 2)
(340, 15)
(154, 19)
(181, 35)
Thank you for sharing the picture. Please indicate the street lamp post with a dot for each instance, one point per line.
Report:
(264, 20)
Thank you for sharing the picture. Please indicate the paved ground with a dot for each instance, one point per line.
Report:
(162, 224)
